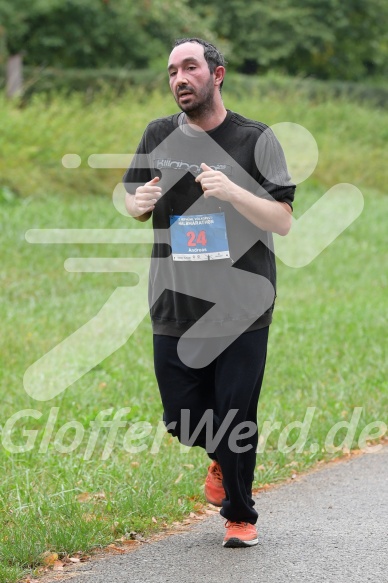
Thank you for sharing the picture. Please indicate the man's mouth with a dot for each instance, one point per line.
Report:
(184, 93)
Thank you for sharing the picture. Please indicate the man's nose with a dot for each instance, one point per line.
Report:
(181, 79)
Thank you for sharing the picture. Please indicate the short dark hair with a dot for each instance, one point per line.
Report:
(212, 55)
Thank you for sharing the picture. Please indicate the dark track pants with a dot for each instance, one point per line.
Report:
(231, 382)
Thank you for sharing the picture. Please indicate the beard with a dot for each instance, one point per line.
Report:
(201, 102)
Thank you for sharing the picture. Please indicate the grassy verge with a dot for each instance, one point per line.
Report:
(327, 343)
(351, 138)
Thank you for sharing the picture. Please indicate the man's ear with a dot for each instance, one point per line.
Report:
(219, 74)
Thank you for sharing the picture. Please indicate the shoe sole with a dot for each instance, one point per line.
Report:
(214, 502)
(237, 542)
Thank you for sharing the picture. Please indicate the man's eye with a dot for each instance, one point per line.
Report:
(191, 67)
(172, 73)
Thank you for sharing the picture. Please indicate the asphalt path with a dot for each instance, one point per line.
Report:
(330, 525)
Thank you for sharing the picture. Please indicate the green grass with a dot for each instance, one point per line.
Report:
(327, 342)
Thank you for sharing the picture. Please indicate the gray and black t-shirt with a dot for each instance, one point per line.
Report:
(224, 296)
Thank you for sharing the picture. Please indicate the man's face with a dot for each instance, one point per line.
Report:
(191, 82)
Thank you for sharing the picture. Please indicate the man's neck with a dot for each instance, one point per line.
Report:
(209, 120)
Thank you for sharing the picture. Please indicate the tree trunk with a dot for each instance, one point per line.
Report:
(14, 86)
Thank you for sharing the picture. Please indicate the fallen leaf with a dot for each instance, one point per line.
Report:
(154, 520)
(188, 466)
(130, 541)
(115, 548)
(178, 479)
(84, 497)
(135, 464)
(99, 496)
(49, 558)
(58, 566)
(74, 560)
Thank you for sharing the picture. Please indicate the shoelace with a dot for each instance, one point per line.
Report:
(217, 473)
(239, 524)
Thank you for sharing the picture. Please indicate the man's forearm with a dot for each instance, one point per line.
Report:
(268, 215)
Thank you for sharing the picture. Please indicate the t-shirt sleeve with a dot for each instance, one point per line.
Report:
(274, 177)
(139, 171)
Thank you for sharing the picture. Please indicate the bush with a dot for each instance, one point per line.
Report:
(66, 81)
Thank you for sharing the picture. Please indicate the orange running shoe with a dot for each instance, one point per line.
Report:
(214, 490)
(240, 534)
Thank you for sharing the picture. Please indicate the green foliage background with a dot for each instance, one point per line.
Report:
(328, 39)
